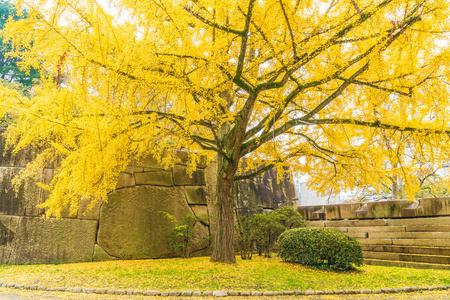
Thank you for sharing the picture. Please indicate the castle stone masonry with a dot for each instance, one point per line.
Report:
(129, 225)
(400, 233)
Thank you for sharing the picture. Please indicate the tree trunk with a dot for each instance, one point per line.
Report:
(223, 247)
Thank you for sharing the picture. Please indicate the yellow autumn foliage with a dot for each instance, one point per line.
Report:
(350, 92)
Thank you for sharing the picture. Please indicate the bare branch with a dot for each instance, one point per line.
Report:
(213, 24)
(255, 173)
(244, 42)
(356, 7)
(376, 124)
(408, 94)
(294, 48)
(337, 93)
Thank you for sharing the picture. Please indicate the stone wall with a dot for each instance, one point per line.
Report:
(427, 207)
(129, 225)
(265, 192)
(399, 233)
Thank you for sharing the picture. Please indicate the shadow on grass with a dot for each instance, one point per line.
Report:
(328, 268)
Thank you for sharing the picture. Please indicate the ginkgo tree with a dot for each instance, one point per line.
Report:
(341, 90)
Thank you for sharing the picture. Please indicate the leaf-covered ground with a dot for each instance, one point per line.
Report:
(200, 274)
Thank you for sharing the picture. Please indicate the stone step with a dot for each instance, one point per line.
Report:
(430, 221)
(422, 242)
(434, 228)
(407, 242)
(341, 229)
(410, 228)
(408, 249)
(420, 258)
(404, 264)
(409, 235)
(419, 221)
(359, 235)
(375, 241)
(378, 229)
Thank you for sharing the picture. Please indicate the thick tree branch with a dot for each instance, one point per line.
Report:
(408, 94)
(294, 47)
(271, 119)
(213, 24)
(375, 124)
(244, 42)
(319, 148)
(255, 173)
(336, 93)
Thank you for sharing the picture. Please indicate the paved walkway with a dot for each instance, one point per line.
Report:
(11, 294)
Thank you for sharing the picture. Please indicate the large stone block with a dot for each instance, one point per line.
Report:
(48, 175)
(381, 209)
(146, 162)
(434, 207)
(132, 168)
(264, 192)
(312, 212)
(427, 207)
(279, 196)
(201, 211)
(183, 159)
(196, 194)
(8, 231)
(125, 180)
(132, 225)
(181, 177)
(89, 209)
(101, 255)
(341, 211)
(266, 196)
(23, 202)
(252, 197)
(201, 238)
(10, 159)
(157, 177)
(42, 240)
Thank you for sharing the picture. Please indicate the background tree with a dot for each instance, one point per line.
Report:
(9, 66)
(264, 229)
(317, 85)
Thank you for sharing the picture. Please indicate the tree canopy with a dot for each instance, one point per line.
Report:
(350, 92)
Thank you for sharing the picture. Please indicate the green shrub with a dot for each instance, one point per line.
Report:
(288, 217)
(263, 229)
(320, 247)
(266, 229)
(181, 234)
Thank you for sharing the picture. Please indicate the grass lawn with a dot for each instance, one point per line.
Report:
(200, 274)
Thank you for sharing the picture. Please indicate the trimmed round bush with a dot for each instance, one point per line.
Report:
(320, 246)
